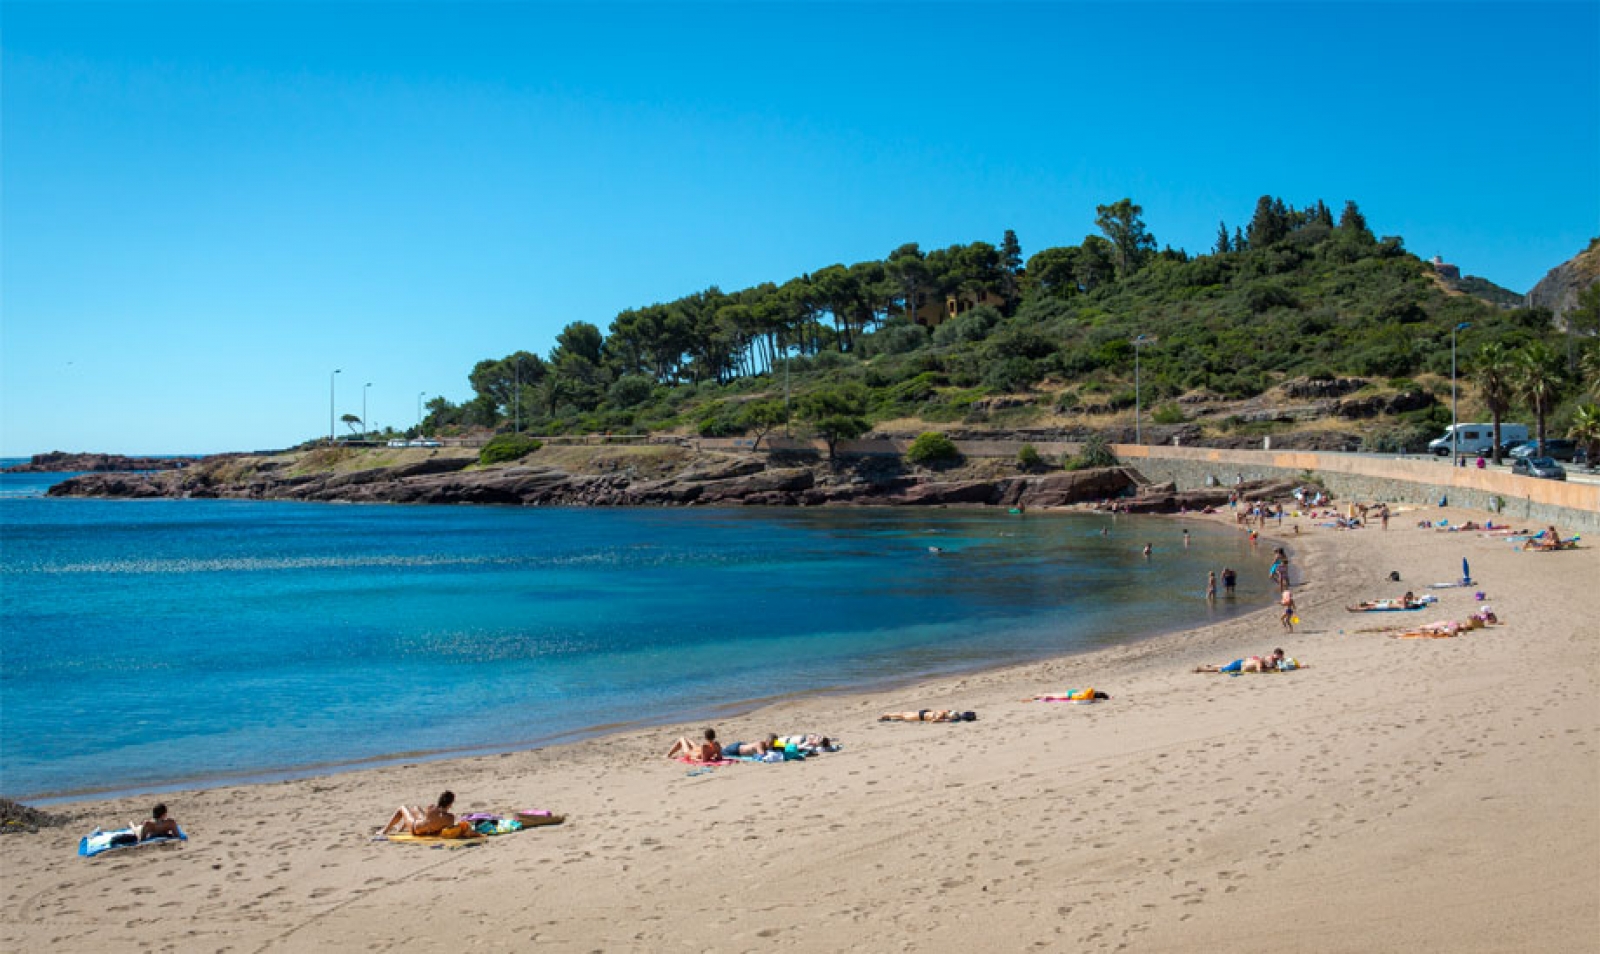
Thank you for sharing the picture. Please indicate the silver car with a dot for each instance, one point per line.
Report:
(1542, 467)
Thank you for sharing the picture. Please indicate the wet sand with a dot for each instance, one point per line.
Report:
(1435, 795)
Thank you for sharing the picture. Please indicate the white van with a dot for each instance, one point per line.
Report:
(1476, 438)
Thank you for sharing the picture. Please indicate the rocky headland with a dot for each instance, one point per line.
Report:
(61, 462)
(667, 476)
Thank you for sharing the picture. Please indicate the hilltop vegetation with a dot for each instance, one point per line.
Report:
(976, 334)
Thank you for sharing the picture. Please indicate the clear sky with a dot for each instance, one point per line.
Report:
(209, 207)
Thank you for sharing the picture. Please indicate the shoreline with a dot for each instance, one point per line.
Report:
(744, 707)
(1396, 794)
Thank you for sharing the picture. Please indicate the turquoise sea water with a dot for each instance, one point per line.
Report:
(164, 642)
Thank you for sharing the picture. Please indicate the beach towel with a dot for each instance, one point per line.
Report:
(99, 842)
(433, 841)
(713, 763)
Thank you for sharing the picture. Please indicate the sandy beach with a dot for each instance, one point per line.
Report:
(1418, 795)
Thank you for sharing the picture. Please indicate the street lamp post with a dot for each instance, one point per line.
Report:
(1455, 420)
(1138, 403)
(331, 379)
(419, 412)
(517, 398)
(365, 428)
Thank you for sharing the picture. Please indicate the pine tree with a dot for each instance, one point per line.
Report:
(1352, 223)
(1268, 225)
(1224, 243)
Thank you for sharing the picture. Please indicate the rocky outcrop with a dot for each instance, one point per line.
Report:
(1558, 290)
(60, 462)
(1167, 500)
(709, 480)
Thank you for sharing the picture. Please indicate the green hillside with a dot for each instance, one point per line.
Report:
(979, 335)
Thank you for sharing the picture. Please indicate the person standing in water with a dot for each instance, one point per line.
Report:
(1186, 539)
(1147, 551)
(1229, 580)
(1211, 587)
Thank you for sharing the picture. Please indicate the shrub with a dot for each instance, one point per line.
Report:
(1012, 374)
(504, 448)
(630, 390)
(1095, 452)
(1028, 458)
(932, 447)
(1169, 414)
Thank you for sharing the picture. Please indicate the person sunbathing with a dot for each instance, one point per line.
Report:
(708, 751)
(809, 743)
(1071, 695)
(1407, 602)
(435, 820)
(1548, 540)
(159, 825)
(1267, 663)
(734, 750)
(929, 715)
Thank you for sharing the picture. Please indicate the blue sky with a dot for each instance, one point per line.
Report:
(209, 207)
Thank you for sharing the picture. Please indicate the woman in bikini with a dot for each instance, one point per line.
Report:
(417, 821)
(708, 751)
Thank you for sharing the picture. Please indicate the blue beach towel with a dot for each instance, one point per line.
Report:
(98, 842)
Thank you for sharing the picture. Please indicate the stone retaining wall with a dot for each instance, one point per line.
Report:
(1392, 479)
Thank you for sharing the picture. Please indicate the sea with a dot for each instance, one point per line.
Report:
(149, 645)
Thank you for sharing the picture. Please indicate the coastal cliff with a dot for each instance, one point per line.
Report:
(1559, 289)
(603, 477)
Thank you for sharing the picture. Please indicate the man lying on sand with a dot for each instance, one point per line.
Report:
(1267, 663)
(929, 715)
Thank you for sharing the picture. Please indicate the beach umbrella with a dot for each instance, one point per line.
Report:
(1466, 574)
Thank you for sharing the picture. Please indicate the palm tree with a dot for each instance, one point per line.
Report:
(1591, 372)
(1586, 430)
(1495, 373)
(1539, 382)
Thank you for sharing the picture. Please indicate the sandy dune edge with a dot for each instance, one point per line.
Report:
(1439, 795)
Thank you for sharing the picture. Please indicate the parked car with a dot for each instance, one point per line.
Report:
(1541, 467)
(1558, 447)
(1506, 447)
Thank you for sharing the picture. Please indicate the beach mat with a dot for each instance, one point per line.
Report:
(99, 842)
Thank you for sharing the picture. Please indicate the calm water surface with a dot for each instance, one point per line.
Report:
(163, 642)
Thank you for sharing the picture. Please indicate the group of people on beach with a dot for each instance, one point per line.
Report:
(709, 749)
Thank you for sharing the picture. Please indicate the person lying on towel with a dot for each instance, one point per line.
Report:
(929, 715)
(708, 751)
(1071, 695)
(1267, 663)
(435, 821)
